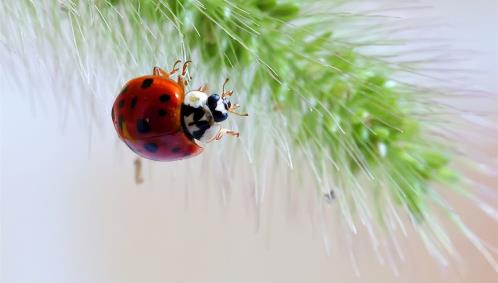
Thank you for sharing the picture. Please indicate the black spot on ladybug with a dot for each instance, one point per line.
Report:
(186, 110)
(147, 83)
(198, 113)
(112, 113)
(151, 147)
(176, 149)
(198, 134)
(133, 102)
(164, 98)
(121, 103)
(125, 89)
(162, 112)
(202, 125)
(143, 126)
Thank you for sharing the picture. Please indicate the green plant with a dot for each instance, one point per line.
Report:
(340, 109)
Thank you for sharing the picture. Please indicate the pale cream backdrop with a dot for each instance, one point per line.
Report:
(70, 211)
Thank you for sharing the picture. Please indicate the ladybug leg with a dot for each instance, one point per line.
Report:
(220, 134)
(185, 66)
(233, 108)
(181, 78)
(203, 88)
(138, 171)
(160, 72)
(175, 69)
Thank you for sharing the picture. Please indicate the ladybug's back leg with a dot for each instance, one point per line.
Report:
(182, 77)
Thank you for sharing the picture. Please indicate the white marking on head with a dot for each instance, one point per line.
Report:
(220, 106)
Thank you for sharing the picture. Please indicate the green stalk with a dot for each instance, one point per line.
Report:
(344, 103)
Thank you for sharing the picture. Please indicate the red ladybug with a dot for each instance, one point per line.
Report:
(157, 120)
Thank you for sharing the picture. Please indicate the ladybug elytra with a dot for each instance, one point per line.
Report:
(157, 120)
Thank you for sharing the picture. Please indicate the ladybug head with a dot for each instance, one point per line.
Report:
(220, 106)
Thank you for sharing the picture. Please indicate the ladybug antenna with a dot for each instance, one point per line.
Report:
(228, 93)
(223, 87)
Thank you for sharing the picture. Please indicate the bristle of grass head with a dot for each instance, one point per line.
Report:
(316, 98)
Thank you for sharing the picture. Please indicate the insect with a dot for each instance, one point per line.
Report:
(157, 120)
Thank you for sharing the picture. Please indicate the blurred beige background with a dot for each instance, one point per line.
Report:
(71, 213)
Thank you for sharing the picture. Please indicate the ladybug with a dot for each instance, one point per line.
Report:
(157, 120)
